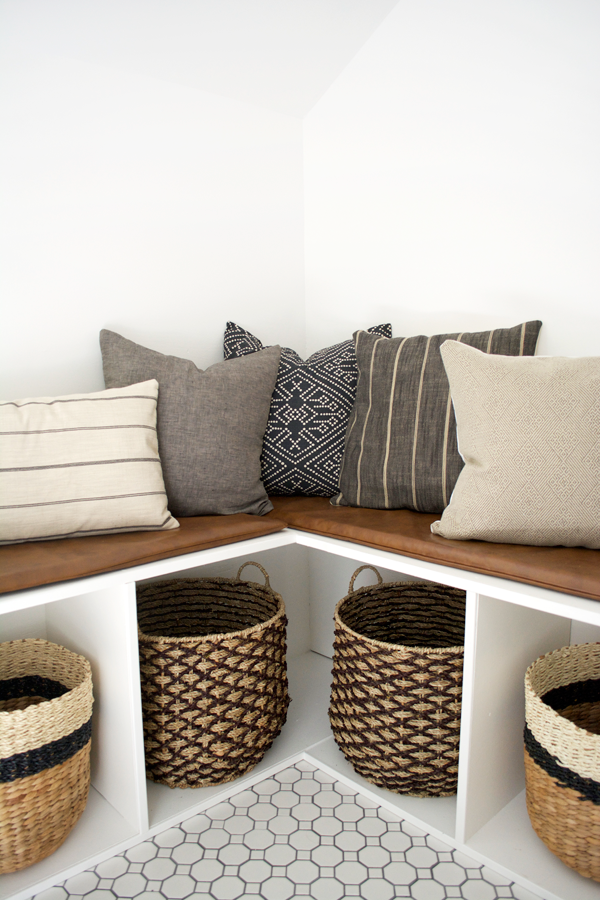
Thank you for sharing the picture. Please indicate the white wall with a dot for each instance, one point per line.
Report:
(154, 209)
(452, 175)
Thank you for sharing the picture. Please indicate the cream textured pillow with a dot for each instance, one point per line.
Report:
(529, 433)
(81, 464)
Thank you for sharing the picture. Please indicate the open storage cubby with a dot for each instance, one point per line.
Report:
(508, 626)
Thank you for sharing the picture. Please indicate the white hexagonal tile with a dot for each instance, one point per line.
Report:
(213, 839)
(323, 777)
(267, 787)
(84, 883)
(351, 873)
(283, 825)
(350, 841)
(371, 827)
(467, 862)
(305, 812)
(178, 886)
(437, 845)
(476, 889)
(197, 824)
(234, 854)
(395, 841)
(207, 870)
(377, 889)
(186, 854)
(129, 885)
(374, 857)
(159, 869)
(53, 893)
(327, 825)
(288, 776)
(426, 889)
(285, 799)
(412, 830)
(327, 799)
(303, 871)
(307, 787)
(280, 855)
(277, 889)
(327, 889)
(304, 840)
(255, 871)
(259, 839)
(101, 895)
(112, 868)
(229, 887)
(494, 877)
(262, 812)
(244, 799)
(327, 855)
(421, 857)
(349, 812)
(141, 853)
(221, 811)
(400, 873)
(303, 766)
(449, 873)
(169, 838)
(240, 824)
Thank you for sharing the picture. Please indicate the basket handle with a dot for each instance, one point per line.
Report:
(258, 566)
(358, 571)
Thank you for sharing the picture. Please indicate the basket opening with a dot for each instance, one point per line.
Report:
(579, 702)
(407, 619)
(28, 690)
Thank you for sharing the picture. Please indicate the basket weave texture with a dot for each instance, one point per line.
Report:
(397, 684)
(45, 738)
(214, 677)
(562, 754)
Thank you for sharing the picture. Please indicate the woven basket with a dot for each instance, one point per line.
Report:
(45, 737)
(562, 754)
(397, 684)
(214, 680)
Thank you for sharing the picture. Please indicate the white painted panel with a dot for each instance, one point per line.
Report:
(507, 639)
(102, 627)
(23, 623)
(582, 633)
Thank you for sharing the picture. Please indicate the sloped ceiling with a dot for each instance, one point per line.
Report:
(279, 54)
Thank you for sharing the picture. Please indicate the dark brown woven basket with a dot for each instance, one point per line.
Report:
(562, 754)
(45, 739)
(397, 684)
(214, 678)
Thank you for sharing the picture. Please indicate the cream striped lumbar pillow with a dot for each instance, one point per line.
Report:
(81, 464)
(529, 433)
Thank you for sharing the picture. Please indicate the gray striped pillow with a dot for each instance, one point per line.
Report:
(401, 450)
(81, 464)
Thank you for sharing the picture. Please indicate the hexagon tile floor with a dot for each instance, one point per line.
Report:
(298, 834)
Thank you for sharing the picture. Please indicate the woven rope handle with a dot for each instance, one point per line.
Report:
(358, 571)
(258, 566)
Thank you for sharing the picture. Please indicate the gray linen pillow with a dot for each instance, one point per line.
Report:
(210, 424)
(529, 432)
(401, 450)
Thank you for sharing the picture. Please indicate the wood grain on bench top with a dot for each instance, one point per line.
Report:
(45, 562)
(571, 570)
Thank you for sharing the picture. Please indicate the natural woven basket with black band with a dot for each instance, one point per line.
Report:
(214, 678)
(45, 737)
(397, 684)
(562, 754)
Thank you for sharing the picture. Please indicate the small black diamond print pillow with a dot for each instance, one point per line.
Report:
(311, 404)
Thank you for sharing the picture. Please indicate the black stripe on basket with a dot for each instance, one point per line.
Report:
(21, 765)
(587, 691)
(31, 686)
(587, 788)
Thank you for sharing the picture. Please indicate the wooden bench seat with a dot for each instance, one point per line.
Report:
(569, 570)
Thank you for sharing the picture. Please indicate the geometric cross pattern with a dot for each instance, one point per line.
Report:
(311, 404)
(299, 833)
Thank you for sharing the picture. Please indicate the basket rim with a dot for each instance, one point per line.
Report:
(217, 637)
(386, 645)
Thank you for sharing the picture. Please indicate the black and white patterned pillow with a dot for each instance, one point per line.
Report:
(310, 408)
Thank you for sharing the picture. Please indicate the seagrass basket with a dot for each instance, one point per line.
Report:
(45, 738)
(214, 677)
(562, 754)
(397, 684)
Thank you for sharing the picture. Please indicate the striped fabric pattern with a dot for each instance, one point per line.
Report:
(81, 464)
(401, 450)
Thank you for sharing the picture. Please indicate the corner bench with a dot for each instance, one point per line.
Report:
(521, 601)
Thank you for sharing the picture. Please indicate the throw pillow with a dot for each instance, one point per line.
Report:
(401, 448)
(81, 464)
(210, 424)
(529, 432)
(311, 404)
